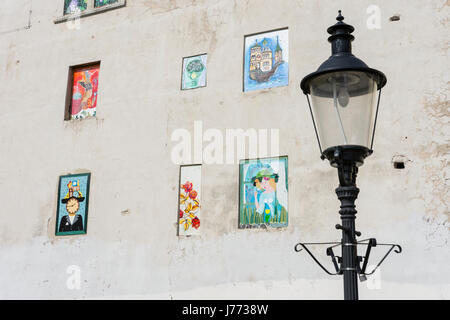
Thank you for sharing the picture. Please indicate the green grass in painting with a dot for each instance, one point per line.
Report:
(251, 217)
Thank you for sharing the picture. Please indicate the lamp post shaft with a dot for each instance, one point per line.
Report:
(347, 195)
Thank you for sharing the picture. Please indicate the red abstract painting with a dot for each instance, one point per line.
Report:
(84, 92)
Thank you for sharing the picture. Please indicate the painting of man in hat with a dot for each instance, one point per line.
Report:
(72, 208)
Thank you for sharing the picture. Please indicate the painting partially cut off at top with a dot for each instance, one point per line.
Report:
(101, 3)
(84, 92)
(73, 6)
(266, 60)
(189, 210)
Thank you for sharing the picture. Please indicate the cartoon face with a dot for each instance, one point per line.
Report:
(72, 206)
(265, 183)
(257, 184)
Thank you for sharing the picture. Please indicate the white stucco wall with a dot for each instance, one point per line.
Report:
(127, 149)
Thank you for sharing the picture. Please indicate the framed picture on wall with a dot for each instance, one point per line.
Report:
(266, 60)
(194, 72)
(72, 208)
(72, 6)
(263, 192)
(82, 91)
(189, 200)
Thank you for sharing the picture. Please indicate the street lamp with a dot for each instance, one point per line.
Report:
(343, 96)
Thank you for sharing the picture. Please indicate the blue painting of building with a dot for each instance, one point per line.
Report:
(266, 61)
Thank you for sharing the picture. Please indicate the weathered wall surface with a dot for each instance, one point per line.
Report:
(127, 148)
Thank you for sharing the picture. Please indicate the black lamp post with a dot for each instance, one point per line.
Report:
(345, 95)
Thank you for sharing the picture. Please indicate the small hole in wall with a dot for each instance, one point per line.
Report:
(399, 165)
(395, 18)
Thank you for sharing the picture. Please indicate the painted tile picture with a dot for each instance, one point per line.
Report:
(194, 72)
(263, 192)
(189, 200)
(71, 6)
(73, 196)
(84, 92)
(266, 60)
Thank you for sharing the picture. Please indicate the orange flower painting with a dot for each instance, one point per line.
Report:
(189, 220)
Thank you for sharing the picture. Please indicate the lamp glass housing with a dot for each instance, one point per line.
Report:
(344, 107)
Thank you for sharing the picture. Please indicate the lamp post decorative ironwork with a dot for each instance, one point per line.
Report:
(343, 97)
